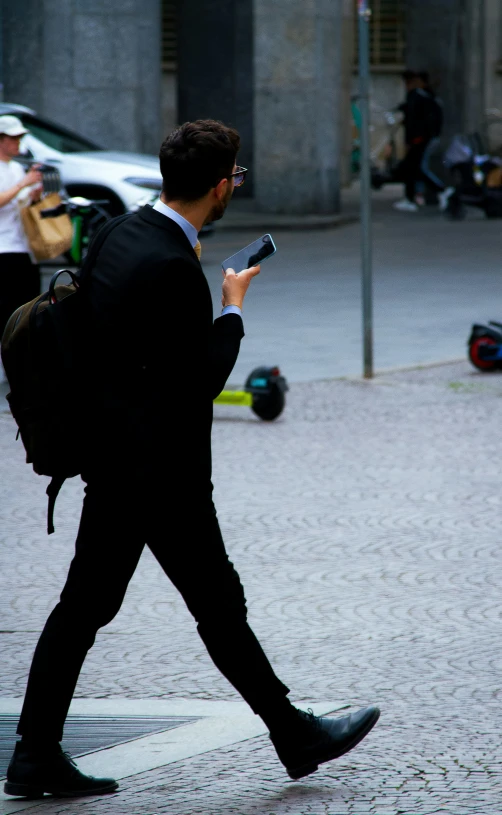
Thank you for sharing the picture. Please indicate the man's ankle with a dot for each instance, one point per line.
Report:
(280, 716)
(39, 745)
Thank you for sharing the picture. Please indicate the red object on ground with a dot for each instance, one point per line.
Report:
(480, 362)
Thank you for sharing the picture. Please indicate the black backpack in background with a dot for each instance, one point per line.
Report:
(42, 348)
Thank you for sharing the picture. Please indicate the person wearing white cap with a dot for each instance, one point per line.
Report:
(19, 277)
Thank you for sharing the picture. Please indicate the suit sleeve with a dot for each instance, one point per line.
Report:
(226, 336)
(189, 338)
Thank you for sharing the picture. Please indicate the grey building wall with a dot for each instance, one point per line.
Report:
(298, 80)
(93, 65)
(446, 37)
(169, 103)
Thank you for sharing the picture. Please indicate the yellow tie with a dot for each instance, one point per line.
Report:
(197, 249)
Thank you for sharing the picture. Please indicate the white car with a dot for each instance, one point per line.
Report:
(126, 180)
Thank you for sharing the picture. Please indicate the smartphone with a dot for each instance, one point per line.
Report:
(251, 255)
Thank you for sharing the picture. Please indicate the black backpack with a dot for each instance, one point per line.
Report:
(41, 353)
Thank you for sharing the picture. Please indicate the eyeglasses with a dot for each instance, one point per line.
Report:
(239, 176)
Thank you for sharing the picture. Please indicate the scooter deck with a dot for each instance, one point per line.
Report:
(234, 398)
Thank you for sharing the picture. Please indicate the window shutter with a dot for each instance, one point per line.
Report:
(169, 37)
(387, 33)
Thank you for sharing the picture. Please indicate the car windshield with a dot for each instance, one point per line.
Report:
(56, 136)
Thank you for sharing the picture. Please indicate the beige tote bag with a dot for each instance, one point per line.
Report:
(48, 237)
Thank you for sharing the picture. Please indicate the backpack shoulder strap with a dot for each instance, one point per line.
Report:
(52, 492)
(94, 249)
(96, 244)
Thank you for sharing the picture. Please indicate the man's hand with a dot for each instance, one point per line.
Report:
(36, 194)
(235, 286)
(33, 176)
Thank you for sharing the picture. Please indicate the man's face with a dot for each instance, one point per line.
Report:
(218, 210)
(10, 145)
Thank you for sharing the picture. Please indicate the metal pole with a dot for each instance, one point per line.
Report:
(366, 243)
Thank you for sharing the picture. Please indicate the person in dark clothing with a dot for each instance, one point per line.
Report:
(436, 110)
(435, 126)
(148, 471)
(423, 120)
(423, 123)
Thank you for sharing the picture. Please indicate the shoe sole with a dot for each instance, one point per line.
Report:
(306, 769)
(27, 791)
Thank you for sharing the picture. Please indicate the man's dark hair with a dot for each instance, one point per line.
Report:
(195, 157)
(408, 75)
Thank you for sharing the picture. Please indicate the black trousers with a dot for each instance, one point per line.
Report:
(409, 171)
(116, 522)
(19, 283)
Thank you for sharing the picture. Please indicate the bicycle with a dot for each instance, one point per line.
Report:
(87, 217)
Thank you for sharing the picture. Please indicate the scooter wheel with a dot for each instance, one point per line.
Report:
(269, 407)
(479, 362)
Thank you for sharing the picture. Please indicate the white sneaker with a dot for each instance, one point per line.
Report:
(405, 206)
(444, 197)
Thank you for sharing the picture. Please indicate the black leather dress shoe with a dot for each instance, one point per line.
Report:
(314, 740)
(31, 774)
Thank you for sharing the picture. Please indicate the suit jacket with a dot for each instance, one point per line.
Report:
(154, 358)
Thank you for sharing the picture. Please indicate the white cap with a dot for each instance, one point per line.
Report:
(11, 126)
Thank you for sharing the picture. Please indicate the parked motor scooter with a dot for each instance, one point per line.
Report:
(485, 346)
(477, 178)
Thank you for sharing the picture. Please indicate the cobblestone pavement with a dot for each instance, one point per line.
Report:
(365, 525)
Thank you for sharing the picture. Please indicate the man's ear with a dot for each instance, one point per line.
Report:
(221, 188)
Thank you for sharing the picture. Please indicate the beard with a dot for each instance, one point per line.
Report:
(218, 210)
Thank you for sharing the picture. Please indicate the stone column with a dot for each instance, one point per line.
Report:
(215, 69)
(93, 65)
(493, 74)
(475, 100)
(346, 124)
(298, 77)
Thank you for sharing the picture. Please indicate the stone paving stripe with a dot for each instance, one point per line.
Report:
(86, 734)
(170, 746)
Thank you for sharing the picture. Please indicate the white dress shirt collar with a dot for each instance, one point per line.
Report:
(188, 228)
(191, 233)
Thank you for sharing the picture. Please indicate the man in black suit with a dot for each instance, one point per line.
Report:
(148, 473)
